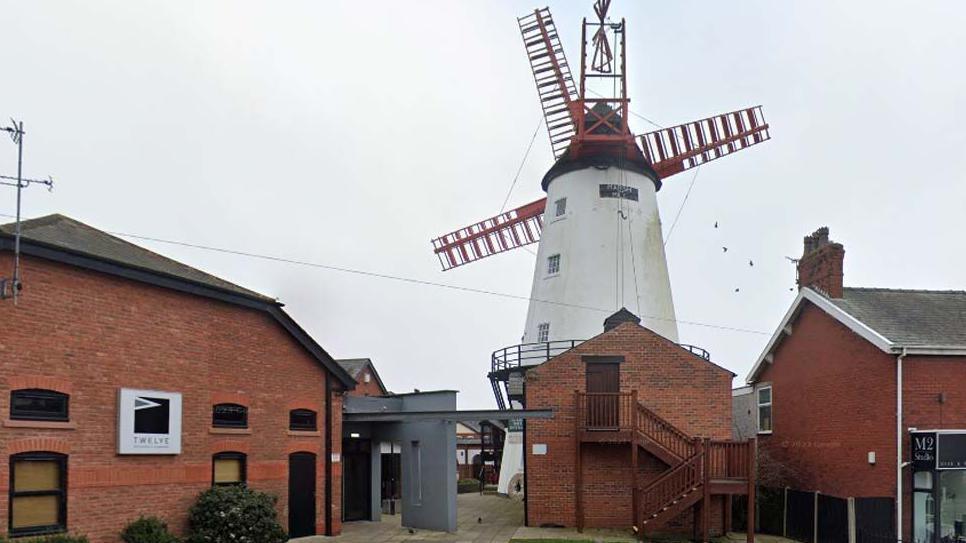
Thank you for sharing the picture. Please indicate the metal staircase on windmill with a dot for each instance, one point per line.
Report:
(697, 468)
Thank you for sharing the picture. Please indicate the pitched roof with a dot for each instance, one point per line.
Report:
(63, 239)
(927, 322)
(67, 234)
(354, 367)
(909, 317)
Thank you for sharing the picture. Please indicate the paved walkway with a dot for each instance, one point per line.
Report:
(485, 519)
(479, 519)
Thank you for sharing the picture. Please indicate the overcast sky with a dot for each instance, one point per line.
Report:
(351, 133)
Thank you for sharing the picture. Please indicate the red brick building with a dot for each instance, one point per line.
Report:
(632, 410)
(100, 322)
(830, 414)
(368, 382)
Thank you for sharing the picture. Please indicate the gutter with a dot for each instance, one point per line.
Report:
(899, 435)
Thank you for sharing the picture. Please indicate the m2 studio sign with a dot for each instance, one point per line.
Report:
(148, 422)
(939, 449)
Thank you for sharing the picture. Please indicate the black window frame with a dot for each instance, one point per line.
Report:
(228, 424)
(61, 525)
(230, 455)
(303, 428)
(61, 415)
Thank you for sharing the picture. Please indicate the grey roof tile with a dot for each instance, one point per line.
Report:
(74, 236)
(909, 317)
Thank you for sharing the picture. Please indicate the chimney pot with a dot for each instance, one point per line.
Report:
(821, 265)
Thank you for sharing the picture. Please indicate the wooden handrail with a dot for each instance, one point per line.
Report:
(673, 484)
(662, 432)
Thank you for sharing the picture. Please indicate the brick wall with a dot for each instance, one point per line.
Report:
(91, 334)
(692, 393)
(366, 389)
(834, 401)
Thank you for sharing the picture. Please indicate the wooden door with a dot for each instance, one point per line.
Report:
(603, 389)
(301, 494)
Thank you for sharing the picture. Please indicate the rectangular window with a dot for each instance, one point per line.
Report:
(229, 415)
(38, 496)
(543, 332)
(618, 191)
(37, 404)
(228, 469)
(560, 207)
(553, 264)
(417, 471)
(302, 419)
(764, 410)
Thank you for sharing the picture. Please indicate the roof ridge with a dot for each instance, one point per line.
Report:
(887, 289)
(55, 218)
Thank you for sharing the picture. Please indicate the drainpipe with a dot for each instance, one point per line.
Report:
(899, 435)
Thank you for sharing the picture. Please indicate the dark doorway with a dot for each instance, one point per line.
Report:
(301, 494)
(603, 387)
(391, 483)
(357, 479)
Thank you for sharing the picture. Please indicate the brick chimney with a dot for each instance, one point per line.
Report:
(821, 264)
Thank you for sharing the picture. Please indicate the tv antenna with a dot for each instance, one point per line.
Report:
(10, 288)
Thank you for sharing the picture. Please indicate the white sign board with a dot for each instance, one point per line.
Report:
(539, 449)
(148, 422)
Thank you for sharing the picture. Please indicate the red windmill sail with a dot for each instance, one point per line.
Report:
(578, 123)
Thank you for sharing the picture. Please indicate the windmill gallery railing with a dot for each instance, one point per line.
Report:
(697, 466)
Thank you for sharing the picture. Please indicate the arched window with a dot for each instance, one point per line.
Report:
(229, 415)
(39, 404)
(303, 419)
(38, 493)
(228, 468)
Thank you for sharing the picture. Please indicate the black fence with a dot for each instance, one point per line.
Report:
(800, 515)
(797, 515)
(875, 520)
(833, 519)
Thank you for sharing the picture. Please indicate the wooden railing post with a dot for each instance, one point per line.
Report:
(752, 475)
(635, 512)
(578, 471)
(706, 489)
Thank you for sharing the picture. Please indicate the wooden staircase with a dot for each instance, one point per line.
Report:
(697, 467)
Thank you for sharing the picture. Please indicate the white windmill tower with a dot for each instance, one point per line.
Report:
(601, 244)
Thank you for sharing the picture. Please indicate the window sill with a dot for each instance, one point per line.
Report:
(230, 431)
(765, 432)
(305, 433)
(40, 424)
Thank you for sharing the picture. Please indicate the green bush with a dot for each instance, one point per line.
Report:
(465, 486)
(148, 530)
(234, 514)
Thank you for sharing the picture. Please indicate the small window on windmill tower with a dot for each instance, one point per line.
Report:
(553, 264)
(561, 207)
(543, 332)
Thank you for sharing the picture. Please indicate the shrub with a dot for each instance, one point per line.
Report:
(234, 514)
(465, 486)
(148, 530)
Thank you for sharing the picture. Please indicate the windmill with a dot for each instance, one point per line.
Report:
(599, 229)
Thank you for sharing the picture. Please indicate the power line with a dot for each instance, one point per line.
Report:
(683, 202)
(411, 280)
(526, 154)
